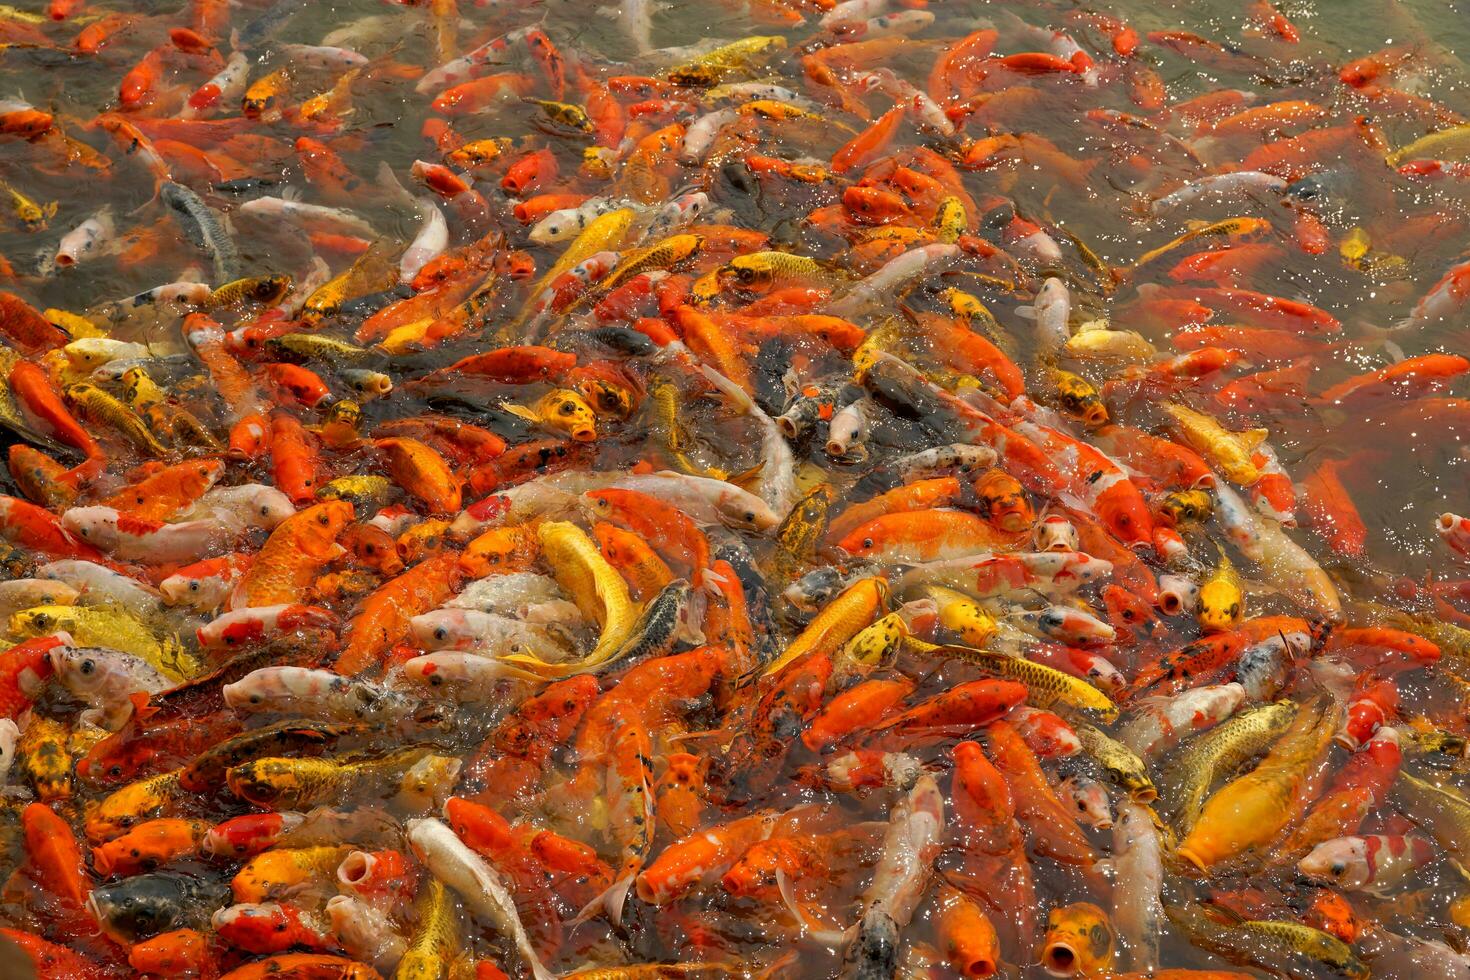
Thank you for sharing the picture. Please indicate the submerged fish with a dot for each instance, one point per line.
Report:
(602, 486)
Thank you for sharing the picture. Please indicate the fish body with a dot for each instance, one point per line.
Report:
(598, 501)
(1289, 947)
(1246, 813)
(204, 229)
(107, 626)
(1206, 758)
(478, 885)
(146, 905)
(1373, 863)
(1139, 917)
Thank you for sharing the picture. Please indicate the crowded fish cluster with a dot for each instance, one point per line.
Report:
(878, 488)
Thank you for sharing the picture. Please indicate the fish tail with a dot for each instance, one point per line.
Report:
(610, 901)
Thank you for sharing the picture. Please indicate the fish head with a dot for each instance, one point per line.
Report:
(874, 951)
(433, 670)
(744, 272)
(1187, 506)
(1004, 502)
(85, 670)
(1079, 940)
(321, 523)
(248, 834)
(144, 905)
(267, 290)
(180, 590)
(444, 629)
(1221, 605)
(423, 540)
(1084, 568)
(814, 589)
(91, 524)
(1056, 533)
(1342, 861)
(39, 620)
(874, 643)
(247, 924)
(347, 413)
(607, 398)
(566, 410)
(1090, 802)
(264, 781)
(759, 518)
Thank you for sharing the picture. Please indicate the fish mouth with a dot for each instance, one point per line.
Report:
(95, 910)
(355, 868)
(1059, 959)
(1171, 603)
(1193, 859)
(57, 657)
(980, 967)
(1313, 870)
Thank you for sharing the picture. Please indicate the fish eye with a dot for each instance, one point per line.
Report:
(1337, 869)
(867, 542)
(441, 633)
(322, 520)
(114, 771)
(87, 666)
(193, 586)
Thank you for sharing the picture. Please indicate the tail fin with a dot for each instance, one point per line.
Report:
(611, 902)
(828, 937)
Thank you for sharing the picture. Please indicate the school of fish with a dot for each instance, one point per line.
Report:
(495, 491)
